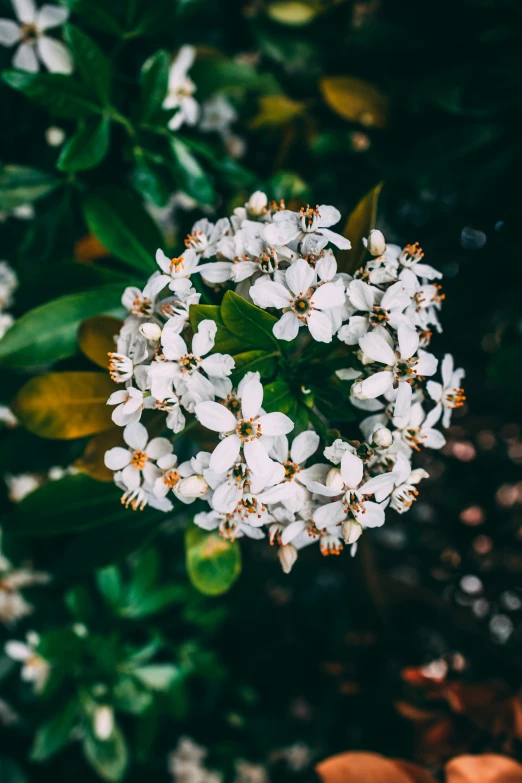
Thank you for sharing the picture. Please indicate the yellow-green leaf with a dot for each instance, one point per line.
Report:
(92, 460)
(292, 12)
(65, 405)
(213, 563)
(358, 226)
(276, 110)
(96, 338)
(356, 100)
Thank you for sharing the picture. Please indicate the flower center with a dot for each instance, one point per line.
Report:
(189, 363)
(29, 32)
(177, 265)
(454, 398)
(197, 241)
(141, 306)
(302, 305)
(171, 478)
(413, 438)
(330, 545)
(411, 254)
(248, 430)
(233, 404)
(379, 316)
(405, 369)
(139, 460)
(291, 468)
(120, 367)
(308, 218)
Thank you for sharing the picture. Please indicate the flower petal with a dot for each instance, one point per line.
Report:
(304, 446)
(287, 327)
(320, 327)
(281, 233)
(408, 341)
(51, 16)
(257, 457)
(9, 32)
(266, 293)
(131, 477)
(328, 295)
(336, 239)
(25, 58)
(252, 398)
(225, 453)
(25, 10)
(329, 514)
(117, 458)
(300, 276)
(135, 435)
(159, 447)
(215, 417)
(204, 339)
(351, 470)
(55, 55)
(376, 348)
(275, 424)
(403, 400)
(377, 384)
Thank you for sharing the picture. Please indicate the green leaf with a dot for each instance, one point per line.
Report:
(98, 14)
(70, 505)
(109, 584)
(86, 148)
(54, 733)
(61, 95)
(158, 676)
(154, 78)
(278, 396)
(110, 757)
(23, 185)
(213, 563)
(248, 322)
(152, 180)
(226, 342)
(48, 333)
(254, 361)
(154, 602)
(123, 226)
(190, 175)
(11, 772)
(92, 65)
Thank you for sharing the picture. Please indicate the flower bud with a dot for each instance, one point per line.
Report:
(193, 487)
(382, 438)
(257, 203)
(334, 480)
(351, 531)
(151, 331)
(357, 391)
(287, 556)
(54, 136)
(376, 243)
(103, 722)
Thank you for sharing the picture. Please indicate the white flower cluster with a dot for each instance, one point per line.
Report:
(8, 285)
(255, 481)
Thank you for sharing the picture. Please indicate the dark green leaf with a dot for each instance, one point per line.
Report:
(154, 79)
(190, 175)
(109, 757)
(154, 601)
(98, 14)
(254, 361)
(248, 322)
(61, 95)
(121, 223)
(87, 148)
(213, 563)
(226, 342)
(48, 333)
(109, 584)
(23, 185)
(278, 396)
(92, 65)
(55, 733)
(152, 181)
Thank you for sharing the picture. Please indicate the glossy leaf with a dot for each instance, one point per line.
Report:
(356, 100)
(358, 226)
(65, 405)
(96, 338)
(254, 361)
(86, 148)
(48, 333)
(154, 79)
(109, 758)
(191, 177)
(61, 95)
(248, 322)
(54, 733)
(123, 226)
(278, 396)
(92, 65)
(23, 185)
(213, 563)
(226, 341)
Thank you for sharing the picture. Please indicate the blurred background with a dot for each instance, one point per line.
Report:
(411, 649)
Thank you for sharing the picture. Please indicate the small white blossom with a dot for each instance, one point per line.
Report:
(181, 89)
(30, 33)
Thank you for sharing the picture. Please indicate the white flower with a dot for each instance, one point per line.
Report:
(449, 394)
(382, 309)
(184, 368)
(13, 606)
(290, 226)
(287, 556)
(257, 203)
(137, 462)
(404, 492)
(103, 722)
(30, 32)
(8, 284)
(410, 258)
(151, 331)
(18, 487)
(293, 491)
(347, 483)
(204, 236)
(35, 669)
(181, 89)
(302, 301)
(129, 404)
(404, 366)
(252, 433)
(416, 430)
(230, 526)
(376, 243)
(142, 303)
(181, 268)
(186, 481)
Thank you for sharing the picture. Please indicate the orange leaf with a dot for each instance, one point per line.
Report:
(89, 248)
(96, 338)
(369, 768)
(486, 768)
(356, 100)
(92, 460)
